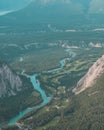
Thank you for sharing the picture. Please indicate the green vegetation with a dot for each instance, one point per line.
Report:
(11, 106)
(89, 110)
(66, 111)
(83, 112)
(41, 60)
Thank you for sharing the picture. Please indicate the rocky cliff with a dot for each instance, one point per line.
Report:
(90, 78)
(10, 83)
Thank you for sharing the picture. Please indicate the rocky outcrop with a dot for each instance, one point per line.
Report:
(10, 83)
(90, 78)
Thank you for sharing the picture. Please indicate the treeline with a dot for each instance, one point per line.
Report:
(11, 106)
(89, 110)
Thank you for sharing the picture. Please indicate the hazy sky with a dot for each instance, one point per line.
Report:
(96, 6)
(90, 6)
(13, 4)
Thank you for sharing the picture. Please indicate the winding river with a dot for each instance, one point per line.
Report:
(36, 84)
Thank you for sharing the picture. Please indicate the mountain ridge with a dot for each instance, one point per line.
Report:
(58, 12)
(96, 70)
(10, 82)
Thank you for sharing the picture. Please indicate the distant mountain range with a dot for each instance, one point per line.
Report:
(58, 12)
(12, 5)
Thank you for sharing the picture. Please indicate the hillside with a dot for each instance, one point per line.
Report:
(37, 13)
(84, 111)
(90, 78)
(10, 83)
(62, 12)
(87, 111)
(16, 93)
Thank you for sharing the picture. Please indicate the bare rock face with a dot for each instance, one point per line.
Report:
(10, 83)
(90, 78)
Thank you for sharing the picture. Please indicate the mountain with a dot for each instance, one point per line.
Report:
(87, 108)
(90, 78)
(12, 5)
(55, 12)
(10, 82)
(16, 93)
(39, 13)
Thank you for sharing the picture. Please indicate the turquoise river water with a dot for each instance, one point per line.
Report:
(36, 84)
